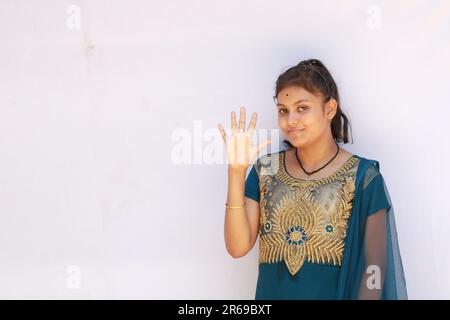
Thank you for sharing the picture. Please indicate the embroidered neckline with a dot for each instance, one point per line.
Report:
(285, 176)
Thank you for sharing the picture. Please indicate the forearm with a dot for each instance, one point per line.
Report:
(369, 289)
(236, 230)
(375, 255)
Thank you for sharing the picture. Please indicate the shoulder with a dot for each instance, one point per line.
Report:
(368, 169)
(369, 163)
(269, 156)
(269, 161)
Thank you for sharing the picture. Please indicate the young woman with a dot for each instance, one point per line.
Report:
(323, 215)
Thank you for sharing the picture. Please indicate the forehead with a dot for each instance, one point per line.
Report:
(290, 95)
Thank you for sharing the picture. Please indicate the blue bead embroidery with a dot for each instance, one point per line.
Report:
(296, 236)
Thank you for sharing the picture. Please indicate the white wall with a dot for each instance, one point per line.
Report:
(92, 203)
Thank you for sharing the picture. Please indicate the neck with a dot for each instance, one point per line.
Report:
(316, 155)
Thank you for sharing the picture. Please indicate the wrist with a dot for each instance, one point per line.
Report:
(237, 171)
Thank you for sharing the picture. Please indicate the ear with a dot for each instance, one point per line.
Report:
(331, 109)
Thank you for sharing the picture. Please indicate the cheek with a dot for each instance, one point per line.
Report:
(311, 119)
(282, 123)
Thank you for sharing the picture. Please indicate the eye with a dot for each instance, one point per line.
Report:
(281, 111)
(303, 107)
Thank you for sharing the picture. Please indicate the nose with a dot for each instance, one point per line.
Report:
(292, 119)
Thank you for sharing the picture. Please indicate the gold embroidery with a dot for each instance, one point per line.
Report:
(305, 219)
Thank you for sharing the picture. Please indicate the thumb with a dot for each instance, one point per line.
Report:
(263, 145)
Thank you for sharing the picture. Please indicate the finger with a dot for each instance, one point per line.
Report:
(263, 145)
(251, 126)
(222, 132)
(242, 120)
(233, 122)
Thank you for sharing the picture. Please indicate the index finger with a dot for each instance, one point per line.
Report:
(252, 124)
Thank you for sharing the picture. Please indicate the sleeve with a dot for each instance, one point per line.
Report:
(383, 275)
(376, 195)
(376, 255)
(252, 185)
(372, 266)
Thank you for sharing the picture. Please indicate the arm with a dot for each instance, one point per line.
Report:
(241, 225)
(375, 245)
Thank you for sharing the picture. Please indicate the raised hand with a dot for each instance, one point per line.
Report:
(240, 150)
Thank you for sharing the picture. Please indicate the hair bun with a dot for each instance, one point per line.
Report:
(310, 62)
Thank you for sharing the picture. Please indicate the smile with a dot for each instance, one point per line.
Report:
(295, 131)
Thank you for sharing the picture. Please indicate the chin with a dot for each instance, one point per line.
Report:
(298, 142)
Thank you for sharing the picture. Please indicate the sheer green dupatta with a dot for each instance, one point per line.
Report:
(371, 265)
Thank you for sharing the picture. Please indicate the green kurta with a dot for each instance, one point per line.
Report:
(304, 225)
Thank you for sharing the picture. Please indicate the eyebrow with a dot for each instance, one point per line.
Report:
(296, 102)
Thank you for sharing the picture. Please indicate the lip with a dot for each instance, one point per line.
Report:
(295, 130)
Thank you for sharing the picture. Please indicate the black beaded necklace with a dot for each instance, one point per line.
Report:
(310, 173)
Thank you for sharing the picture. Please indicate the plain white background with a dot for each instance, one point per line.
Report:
(93, 204)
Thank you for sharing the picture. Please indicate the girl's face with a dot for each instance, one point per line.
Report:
(302, 117)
